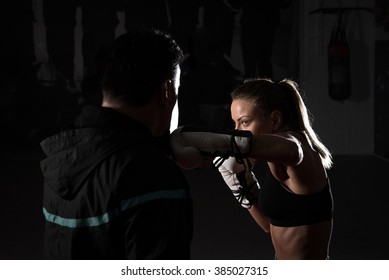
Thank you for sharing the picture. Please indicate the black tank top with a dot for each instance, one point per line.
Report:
(286, 209)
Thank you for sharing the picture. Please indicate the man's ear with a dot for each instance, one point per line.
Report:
(167, 94)
(276, 118)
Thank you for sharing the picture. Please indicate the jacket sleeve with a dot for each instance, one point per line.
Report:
(156, 217)
(159, 229)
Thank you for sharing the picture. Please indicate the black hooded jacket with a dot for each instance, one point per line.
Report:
(111, 192)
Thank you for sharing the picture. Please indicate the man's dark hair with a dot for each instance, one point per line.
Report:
(139, 62)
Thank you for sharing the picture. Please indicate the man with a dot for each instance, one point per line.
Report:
(111, 191)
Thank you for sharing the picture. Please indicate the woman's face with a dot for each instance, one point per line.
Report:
(247, 116)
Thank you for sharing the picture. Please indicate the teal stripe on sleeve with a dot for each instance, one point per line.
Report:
(108, 216)
(85, 222)
(134, 201)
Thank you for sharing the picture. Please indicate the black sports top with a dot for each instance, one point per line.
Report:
(286, 209)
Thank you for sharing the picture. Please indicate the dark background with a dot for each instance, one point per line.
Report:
(48, 74)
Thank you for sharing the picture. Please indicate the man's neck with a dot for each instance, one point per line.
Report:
(144, 115)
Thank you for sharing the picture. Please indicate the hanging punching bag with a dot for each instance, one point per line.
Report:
(339, 86)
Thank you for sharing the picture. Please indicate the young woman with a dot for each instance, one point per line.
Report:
(296, 196)
(294, 203)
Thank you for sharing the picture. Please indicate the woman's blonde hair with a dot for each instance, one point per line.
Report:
(283, 96)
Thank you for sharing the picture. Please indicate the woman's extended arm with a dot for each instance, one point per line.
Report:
(278, 148)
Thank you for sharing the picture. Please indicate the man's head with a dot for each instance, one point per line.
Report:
(143, 69)
(140, 61)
